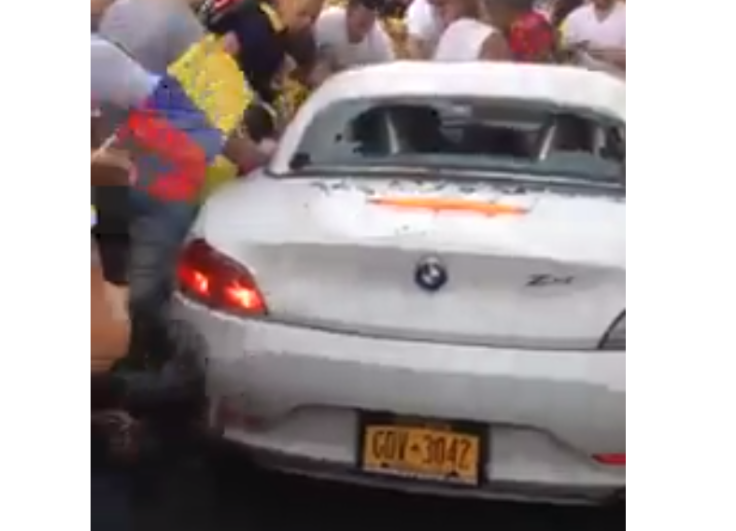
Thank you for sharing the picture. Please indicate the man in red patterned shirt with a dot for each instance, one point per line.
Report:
(531, 37)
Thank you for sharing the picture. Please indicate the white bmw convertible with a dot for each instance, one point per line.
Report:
(426, 288)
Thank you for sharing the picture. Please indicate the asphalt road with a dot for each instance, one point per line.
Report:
(241, 497)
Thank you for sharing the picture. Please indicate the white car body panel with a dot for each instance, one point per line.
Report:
(301, 229)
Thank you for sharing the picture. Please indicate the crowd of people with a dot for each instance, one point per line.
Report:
(189, 93)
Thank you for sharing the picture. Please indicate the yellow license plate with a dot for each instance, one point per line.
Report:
(429, 453)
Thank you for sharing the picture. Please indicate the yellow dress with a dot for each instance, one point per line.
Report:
(221, 170)
(292, 95)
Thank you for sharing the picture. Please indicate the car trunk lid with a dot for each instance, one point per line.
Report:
(546, 270)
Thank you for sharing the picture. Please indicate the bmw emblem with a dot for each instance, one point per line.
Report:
(430, 274)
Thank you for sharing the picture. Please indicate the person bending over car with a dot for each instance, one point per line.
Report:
(266, 33)
(594, 36)
(352, 35)
(141, 42)
(468, 35)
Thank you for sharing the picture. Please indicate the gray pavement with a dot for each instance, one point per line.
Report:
(241, 497)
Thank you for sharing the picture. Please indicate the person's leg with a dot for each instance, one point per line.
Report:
(112, 231)
(157, 232)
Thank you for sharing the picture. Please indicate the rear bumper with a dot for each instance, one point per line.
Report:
(519, 491)
(511, 491)
(546, 412)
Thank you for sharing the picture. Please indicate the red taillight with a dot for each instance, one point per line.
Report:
(217, 281)
(611, 459)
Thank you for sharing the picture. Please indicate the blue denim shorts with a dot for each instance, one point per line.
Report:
(157, 232)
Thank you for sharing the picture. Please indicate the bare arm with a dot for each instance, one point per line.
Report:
(244, 153)
(110, 167)
(613, 56)
(110, 327)
(385, 46)
(321, 71)
(324, 66)
(417, 48)
(495, 48)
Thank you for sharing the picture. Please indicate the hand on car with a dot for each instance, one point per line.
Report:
(267, 146)
(614, 56)
(571, 52)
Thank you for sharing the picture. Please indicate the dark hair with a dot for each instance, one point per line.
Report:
(523, 5)
(302, 48)
(371, 5)
(513, 5)
(259, 122)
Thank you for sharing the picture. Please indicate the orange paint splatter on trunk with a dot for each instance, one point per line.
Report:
(450, 205)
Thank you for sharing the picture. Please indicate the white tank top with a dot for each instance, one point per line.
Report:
(462, 40)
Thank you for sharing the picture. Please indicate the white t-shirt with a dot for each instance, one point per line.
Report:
(462, 40)
(331, 35)
(423, 22)
(584, 26)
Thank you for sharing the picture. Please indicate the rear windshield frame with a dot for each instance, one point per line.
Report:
(356, 107)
